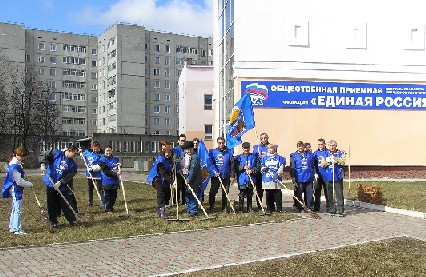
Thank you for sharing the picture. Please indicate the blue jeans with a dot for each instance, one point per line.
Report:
(191, 202)
(306, 188)
(16, 215)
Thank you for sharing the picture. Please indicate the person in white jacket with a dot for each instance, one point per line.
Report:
(13, 187)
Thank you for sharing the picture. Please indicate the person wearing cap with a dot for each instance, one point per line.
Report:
(58, 178)
(272, 168)
(93, 170)
(178, 153)
(222, 158)
(261, 150)
(302, 175)
(13, 187)
(190, 169)
(246, 167)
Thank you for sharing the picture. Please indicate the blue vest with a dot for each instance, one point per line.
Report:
(303, 167)
(222, 160)
(178, 153)
(273, 163)
(112, 164)
(262, 150)
(318, 157)
(59, 168)
(338, 169)
(251, 161)
(9, 182)
(92, 159)
(168, 165)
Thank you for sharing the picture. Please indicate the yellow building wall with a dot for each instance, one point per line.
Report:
(376, 137)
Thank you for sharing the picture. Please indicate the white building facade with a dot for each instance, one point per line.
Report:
(350, 71)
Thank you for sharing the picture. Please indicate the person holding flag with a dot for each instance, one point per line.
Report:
(222, 158)
(246, 167)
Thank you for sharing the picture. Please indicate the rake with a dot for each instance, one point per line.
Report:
(127, 215)
(309, 211)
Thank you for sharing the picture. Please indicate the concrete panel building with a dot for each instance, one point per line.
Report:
(335, 70)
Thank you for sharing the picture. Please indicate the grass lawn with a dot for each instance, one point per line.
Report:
(395, 257)
(402, 195)
(141, 200)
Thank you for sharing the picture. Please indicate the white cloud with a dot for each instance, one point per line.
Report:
(193, 17)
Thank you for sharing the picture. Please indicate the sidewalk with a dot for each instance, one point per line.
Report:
(166, 254)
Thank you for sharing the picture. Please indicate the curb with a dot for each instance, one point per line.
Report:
(382, 208)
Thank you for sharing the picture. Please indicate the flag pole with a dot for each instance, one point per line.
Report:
(349, 169)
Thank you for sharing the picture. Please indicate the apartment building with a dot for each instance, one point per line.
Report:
(123, 81)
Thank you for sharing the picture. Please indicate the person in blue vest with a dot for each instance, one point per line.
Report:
(110, 178)
(261, 151)
(302, 175)
(61, 171)
(246, 166)
(222, 158)
(178, 153)
(165, 158)
(319, 184)
(93, 172)
(13, 187)
(190, 169)
(272, 168)
(333, 163)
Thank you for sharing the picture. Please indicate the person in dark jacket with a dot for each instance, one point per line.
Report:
(190, 168)
(59, 179)
(110, 178)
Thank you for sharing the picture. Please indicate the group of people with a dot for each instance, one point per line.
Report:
(312, 174)
(59, 168)
(179, 169)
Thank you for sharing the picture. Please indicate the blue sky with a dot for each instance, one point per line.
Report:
(193, 17)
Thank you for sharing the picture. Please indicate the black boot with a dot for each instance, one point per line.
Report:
(211, 203)
(241, 203)
(249, 204)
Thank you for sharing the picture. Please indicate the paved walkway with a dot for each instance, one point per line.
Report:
(162, 254)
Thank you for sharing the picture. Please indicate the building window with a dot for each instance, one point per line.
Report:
(94, 51)
(156, 132)
(156, 109)
(52, 60)
(167, 109)
(157, 97)
(156, 84)
(94, 87)
(208, 101)
(41, 71)
(156, 121)
(157, 48)
(167, 48)
(208, 131)
(146, 46)
(167, 60)
(156, 72)
(94, 63)
(52, 47)
(157, 60)
(167, 97)
(194, 51)
(41, 59)
(167, 73)
(167, 121)
(41, 46)
(53, 72)
(27, 58)
(167, 85)
(52, 84)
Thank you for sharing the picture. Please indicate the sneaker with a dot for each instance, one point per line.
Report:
(12, 231)
(20, 233)
(340, 215)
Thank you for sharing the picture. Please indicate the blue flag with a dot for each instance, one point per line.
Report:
(207, 164)
(153, 171)
(240, 121)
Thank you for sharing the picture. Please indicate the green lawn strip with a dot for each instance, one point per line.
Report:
(394, 257)
(402, 195)
(141, 200)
